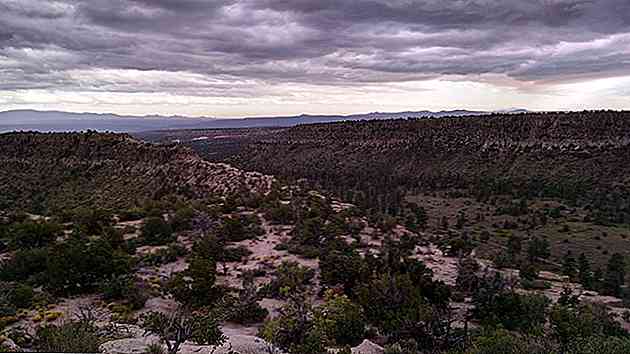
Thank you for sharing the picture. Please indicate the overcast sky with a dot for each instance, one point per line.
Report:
(229, 58)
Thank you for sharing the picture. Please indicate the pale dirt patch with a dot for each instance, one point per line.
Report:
(444, 268)
(159, 304)
(264, 255)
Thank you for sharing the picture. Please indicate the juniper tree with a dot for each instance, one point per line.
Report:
(569, 265)
(585, 275)
(615, 275)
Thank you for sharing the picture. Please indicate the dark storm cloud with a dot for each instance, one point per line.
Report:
(49, 44)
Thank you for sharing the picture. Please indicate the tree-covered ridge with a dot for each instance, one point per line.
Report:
(54, 171)
(577, 156)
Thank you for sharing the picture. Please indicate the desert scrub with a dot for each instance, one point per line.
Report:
(79, 335)
(156, 231)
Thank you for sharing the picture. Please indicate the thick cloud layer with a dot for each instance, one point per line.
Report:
(232, 48)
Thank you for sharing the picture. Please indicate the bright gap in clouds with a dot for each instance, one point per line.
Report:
(256, 99)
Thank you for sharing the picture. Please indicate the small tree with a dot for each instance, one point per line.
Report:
(584, 272)
(92, 221)
(180, 326)
(32, 234)
(245, 309)
(528, 271)
(496, 303)
(182, 218)
(339, 267)
(196, 285)
(156, 231)
(514, 246)
(294, 330)
(340, 319)
(467, 278)
(568, 265)
(615, 275)
(538, 248)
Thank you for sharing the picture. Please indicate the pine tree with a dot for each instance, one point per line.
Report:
(568, 265)
(615, 275)
(584, 272)
(538, 248)
(598, 275)
(514, 246)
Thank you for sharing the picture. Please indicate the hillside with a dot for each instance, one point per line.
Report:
(581, 156)
(43, 171)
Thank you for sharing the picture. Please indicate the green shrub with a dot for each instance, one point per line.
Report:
(24, 265)
(309, 236)
(182, 218)
(571, 324)
(601, 345)
(407, 306)
(196, 285)
(291, 276)
(239, 228)
(234, 254)
(78, 265)
(342, 267)
(21, 296)
(31, 234)
(213, 247)
(496, 304)
(341, 320)
(14, 296)
(165, 255)
(80, 336)
(294, 331)
(245, 309)
(504, 342)
(92, 221)
(155, 348)
(155, 232)
(114, 237)
(280, 213)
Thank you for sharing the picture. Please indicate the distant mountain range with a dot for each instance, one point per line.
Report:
(54, 121)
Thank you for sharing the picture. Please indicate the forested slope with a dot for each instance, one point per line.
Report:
(580, 156)
(41, 171)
